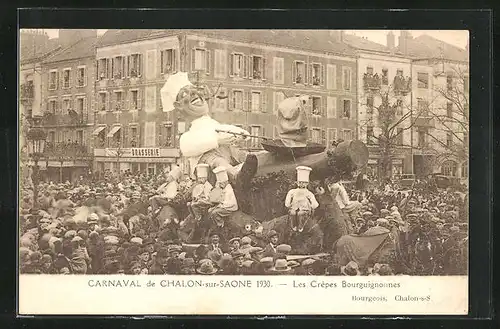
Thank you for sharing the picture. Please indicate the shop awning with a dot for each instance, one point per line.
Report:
(113, 131)
(98, 131)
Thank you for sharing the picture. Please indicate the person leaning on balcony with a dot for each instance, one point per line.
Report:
(167, 191)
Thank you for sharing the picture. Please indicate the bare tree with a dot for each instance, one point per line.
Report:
(451, 115)
(391, 117)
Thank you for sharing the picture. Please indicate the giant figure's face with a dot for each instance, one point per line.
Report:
(191, 103)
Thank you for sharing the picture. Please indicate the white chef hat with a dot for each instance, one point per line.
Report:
(221, 174)
(303, 173)
(202, 170)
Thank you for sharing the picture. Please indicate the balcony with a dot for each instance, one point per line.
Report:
(427, 122)
(66, 150)
(402, 85)
(371, 82)
(75, 119)
(27, 93)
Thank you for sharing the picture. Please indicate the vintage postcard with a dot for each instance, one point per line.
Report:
(215, 164)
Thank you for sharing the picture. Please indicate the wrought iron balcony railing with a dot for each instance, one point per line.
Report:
(73, 119)
(371, 81)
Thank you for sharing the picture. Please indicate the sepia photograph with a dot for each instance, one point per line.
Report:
(243, 153)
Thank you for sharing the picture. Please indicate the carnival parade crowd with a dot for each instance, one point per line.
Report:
(117, 233)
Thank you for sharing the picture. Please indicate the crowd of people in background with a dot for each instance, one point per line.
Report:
(117, 234)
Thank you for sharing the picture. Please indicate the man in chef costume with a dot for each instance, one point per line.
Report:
(202, 143)
(300, 201)
(167, 191)
(224, 198)
(201, 193)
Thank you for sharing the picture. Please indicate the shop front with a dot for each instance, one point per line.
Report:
(145, 160)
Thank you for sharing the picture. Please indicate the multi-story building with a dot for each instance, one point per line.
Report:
(441, 96)
(382, 72)
(67, 79)
(254, 69)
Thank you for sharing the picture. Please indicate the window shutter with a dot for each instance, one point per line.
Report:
(162, 61)
(139, 65)
(231, 64)
(217, 63)
(245, 66)
(264, 102)
(323, 107)
(250, 100)
(245, 106)
(250, 67)
(309, 106)
(323, 137)
(96, 67)
(124, 68)
(309, 133)
(193, 59)
(322, 71)
(309, 73)
(294, 72)
(207, 59)
(264, 68)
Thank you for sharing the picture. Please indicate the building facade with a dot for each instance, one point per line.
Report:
(67, 79)
(250, 69)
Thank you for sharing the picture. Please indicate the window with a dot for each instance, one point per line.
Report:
(102, 101)
(369, 105)
(449, 140)
(332, 136)
(150, 134)
(220, 63)
(465, 169)
(316, 105)
(53, 80)
(299, 72)
(81, 77)
(238, 65)
(278, 98)
(422, 137)
(346, 110)
(134, 138)
(118, 67)
(200, 59)
(370, 136)
(422, 107)
(369, 70)
(237, 100)
(279, 70)
(255, 101)
(347, 78)
(221, 103)
(423, 80)
(118, 100)
(385, 77)
(134, 99)
(316, 74)
(66, 78)
(316, 135)
(254, 142)
(166, 137)
(331, 110)
(79, 137)
(449, 168)
(80, 106)
(347, 134)
(331, 76)
(449, 110)
(102, 69)
(66, 105)
(168, 61)
(135, 65)
(399, 107)
(258, 67)
(399, 136)
(52, 136)
(449, 82)
(52, 106)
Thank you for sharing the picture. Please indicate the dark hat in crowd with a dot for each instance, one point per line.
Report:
(284, 249)
(271, 234)
(280, 265)
(236, 254)
(207, 268)
(351, 269)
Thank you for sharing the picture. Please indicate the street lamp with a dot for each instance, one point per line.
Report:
(36, 144)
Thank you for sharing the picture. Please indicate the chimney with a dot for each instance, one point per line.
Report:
(404, 36)
(390, 40)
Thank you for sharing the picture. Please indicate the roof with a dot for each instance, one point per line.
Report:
(28, 53)
(425, 46)
(363, 44)
(301, 39)
(80, 49)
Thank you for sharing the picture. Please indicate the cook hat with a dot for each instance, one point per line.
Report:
(171, 89)
(221, 174)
